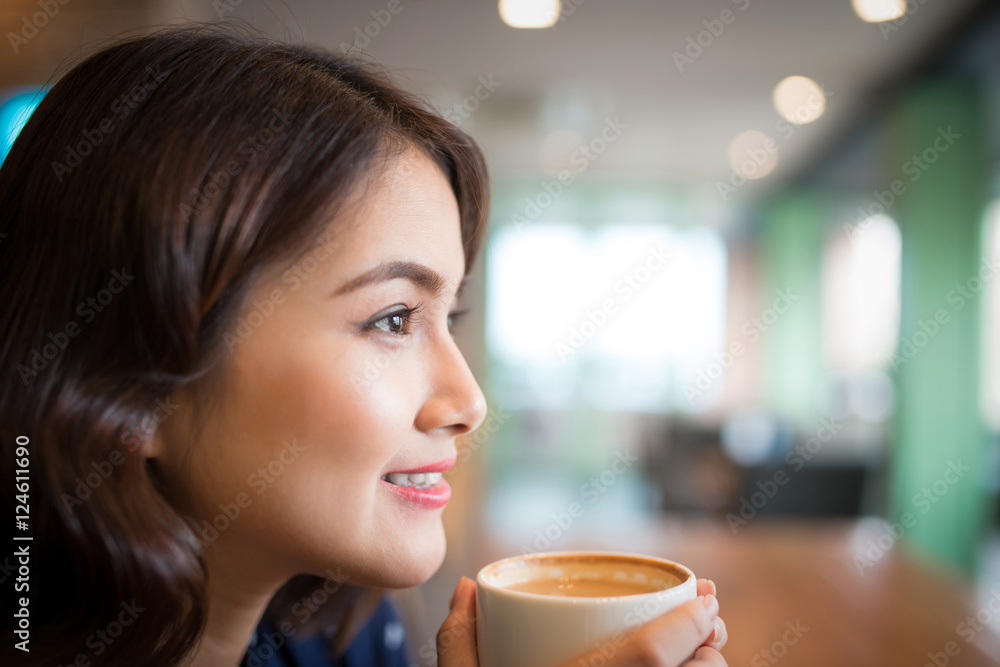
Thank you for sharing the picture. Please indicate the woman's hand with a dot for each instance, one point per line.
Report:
(690, 635)
(456, 640)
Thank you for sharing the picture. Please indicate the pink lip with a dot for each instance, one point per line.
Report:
(433, 497)
(440, 466)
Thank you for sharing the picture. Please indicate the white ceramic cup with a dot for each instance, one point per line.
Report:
(522, 629)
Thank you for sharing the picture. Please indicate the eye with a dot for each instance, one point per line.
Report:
(455, 317)
(397, 323)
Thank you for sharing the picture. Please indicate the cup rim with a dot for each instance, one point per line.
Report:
(557, 599)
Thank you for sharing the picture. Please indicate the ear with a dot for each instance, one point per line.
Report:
(152, 445)
(156, 428)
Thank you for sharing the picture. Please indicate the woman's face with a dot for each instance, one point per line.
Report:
(329, 390)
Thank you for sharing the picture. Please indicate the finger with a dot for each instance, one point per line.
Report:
(456, 640)
(719, 636)
(674, 637)
(706, 587)
(706, 657)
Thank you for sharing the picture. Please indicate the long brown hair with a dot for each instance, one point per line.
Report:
(154, 181)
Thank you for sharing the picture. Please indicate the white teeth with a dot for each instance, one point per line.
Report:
(418, 479)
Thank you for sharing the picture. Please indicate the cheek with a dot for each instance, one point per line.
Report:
(328, 505)
(351, 407)
(304, 427)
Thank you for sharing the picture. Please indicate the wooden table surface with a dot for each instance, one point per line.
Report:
(792, 593)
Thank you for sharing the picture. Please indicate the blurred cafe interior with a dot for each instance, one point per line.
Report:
(737, 305)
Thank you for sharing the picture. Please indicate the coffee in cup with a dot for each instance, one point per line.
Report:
(539, 610)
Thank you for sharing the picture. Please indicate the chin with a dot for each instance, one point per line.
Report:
(417, 560)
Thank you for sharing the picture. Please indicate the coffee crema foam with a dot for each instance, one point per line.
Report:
(585, 576)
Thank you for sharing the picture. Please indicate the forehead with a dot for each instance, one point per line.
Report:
(408, 212)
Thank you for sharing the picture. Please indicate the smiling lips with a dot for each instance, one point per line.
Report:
(422, 486)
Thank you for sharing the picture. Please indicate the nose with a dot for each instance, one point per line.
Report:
(455, 402)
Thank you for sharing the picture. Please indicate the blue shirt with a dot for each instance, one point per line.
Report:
(380, 643)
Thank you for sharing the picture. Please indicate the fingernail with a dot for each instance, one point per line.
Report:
(711, 604)
(718, 639)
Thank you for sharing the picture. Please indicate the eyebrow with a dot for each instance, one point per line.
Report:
(423, 277)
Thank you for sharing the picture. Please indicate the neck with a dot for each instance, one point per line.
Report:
(238, 594)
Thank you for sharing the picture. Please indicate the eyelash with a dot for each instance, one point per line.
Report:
(409, 319)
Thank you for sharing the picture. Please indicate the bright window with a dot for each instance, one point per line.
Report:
(990, 377)
(618, 317)
(861, 296)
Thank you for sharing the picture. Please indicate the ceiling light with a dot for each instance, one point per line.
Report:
(530, 13)
(799, 99)
(753, 154)
(876, 11)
